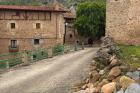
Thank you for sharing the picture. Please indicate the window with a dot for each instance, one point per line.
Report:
(13, 26)
(17, 13)
(71, 36)
(36, 42)
(13, 43)
(38, 26)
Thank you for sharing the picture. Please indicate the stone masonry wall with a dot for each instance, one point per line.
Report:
(123, 21)
(51, 32)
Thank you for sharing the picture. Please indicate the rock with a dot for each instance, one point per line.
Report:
(117, 79)
(90, 85)
(133, 88)
(138, 69)
(134, 75)
(92, 68)
(103, 56)
(101, 72)
(115, 71)
(103, 82)
(89, 90)
(124, 68)
(114, 62)
(113, 57)
(94, 76)
(120, 91)
(109, 43)
(125, 82)
(92, 90)
(81, 91)
(138, 80)
(109, 88)
(93, 63)
(84, 86)
(87, 80)
(135, 59)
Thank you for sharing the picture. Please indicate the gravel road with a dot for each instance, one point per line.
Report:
(55, 75)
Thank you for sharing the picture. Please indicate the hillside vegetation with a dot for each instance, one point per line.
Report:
(44, 2)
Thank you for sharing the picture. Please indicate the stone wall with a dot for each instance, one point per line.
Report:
(50, 33)
(123, 21)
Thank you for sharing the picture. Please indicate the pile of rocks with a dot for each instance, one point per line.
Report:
(108, 74)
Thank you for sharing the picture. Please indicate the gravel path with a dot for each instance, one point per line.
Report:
(55, 75)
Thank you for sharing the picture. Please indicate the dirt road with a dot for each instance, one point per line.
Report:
(55, 75)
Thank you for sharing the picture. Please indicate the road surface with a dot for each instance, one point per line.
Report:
(55, 75)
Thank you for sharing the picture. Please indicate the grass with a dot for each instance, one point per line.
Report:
(130, 55)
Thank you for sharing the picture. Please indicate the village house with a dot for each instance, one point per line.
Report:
(71, 34)
(30, 27)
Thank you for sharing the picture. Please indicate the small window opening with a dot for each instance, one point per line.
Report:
(36, 41)
(71, 36)
(17, 13)
(13, 26)
(38, 26)
(13, 43)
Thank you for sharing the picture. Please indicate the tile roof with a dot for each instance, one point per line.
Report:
(31, 8)
(69, 15)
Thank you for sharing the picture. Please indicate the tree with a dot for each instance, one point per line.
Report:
(90, 20)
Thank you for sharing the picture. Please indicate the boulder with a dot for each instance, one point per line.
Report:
(138, 80)
(92, 68)
(110, 44)
(90, 85)
(133, 88)
(125, 82)
(125, 68)
(84, 86)
(93, 63)
(120, 91)
(115, 71)
(89, 90)
(103, 82)
(101, 72)
(94, 76)
(113, 57)
(138, 69)
(114, 63)
(92, 90)
(103, 56)
(81, 91)
(134, 75)
(109, 88)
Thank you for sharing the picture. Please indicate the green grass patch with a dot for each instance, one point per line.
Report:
(130, 55)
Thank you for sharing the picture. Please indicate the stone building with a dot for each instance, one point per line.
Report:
(123, 21)
(30, 27)
(71, 34)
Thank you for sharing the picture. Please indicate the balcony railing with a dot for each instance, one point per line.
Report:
(13, 49)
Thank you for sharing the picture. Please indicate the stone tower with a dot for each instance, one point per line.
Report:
(123, 21)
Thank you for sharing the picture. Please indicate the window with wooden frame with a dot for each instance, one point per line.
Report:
(12, 25)
(13, 44)
(38, 25)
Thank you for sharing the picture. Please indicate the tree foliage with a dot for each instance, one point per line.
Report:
(90, 20)
(22, 2)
